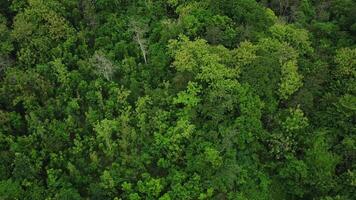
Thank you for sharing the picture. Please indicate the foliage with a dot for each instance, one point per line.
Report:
(178, 99)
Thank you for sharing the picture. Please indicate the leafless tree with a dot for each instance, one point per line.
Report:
(139, 30)
(103, 65)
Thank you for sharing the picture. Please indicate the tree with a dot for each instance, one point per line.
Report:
(217, 99)
(104, 66)
(139, 30)
(36, 39)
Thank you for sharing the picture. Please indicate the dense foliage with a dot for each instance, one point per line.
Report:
(177, 99)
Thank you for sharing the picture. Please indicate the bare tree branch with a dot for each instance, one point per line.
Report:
(139, 32)
(103, 65)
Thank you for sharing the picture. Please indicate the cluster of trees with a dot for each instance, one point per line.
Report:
(177, 99)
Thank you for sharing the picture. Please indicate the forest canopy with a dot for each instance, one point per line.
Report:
(177, 99)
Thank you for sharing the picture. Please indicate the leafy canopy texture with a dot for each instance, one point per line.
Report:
(177, 99)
